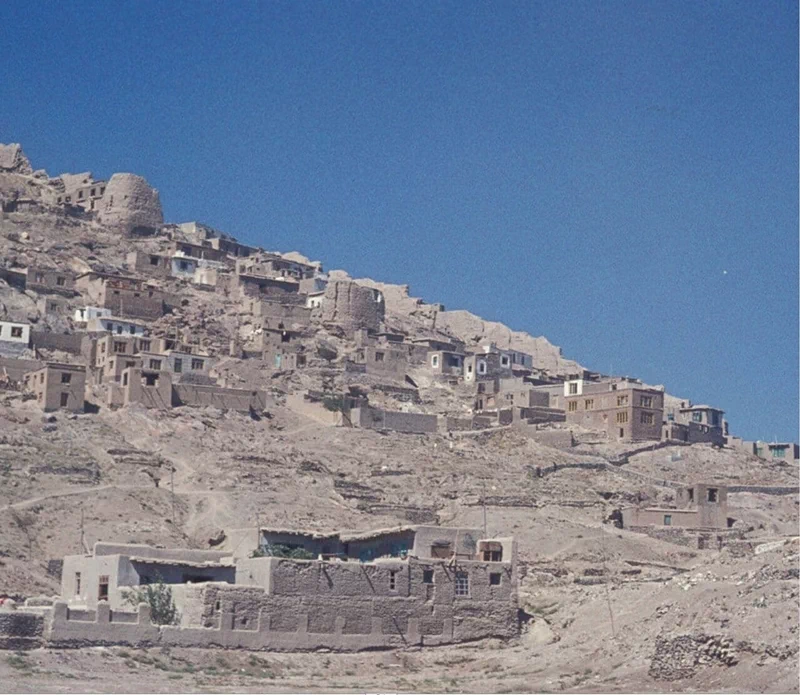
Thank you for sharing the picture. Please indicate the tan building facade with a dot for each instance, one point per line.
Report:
(58, 386)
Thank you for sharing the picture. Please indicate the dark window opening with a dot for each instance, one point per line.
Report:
(691, 494)
(427, 576)
(667, 519)
(16, 331)
(64, 400)
(77, 583)
(713, 494)
(102, 588)
(149, 379)
(392, 581)
(495, 578)
(66, 377)
(60, 281)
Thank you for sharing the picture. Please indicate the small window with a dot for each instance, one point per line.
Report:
(197, 364)
(155, 364)
(481, 367)
(621, 432)
(647, 418)
(495, 578)
(80, 195)
(427, 576)
(392, 581)
(697, 416)
(217, 606)
(66, 377)
(504, 361)
(573, 389)
(77, 583)
(646, 401)
(713, 494)
(102, 588)
(667, 519)
(435, 361)
(153, 260)
(622, 417)
(589, 404)
(462, 584)
(573, 406)
(16, 331)
(61, 281)
(144, 345)
(379, 356)
(64, 400)
(178, 365)
(691, 494)
(125, 379)
(622, 400)
(94, 191)
(120, 346)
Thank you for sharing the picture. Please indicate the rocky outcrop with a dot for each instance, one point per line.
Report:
(13, 159)
(131, 206)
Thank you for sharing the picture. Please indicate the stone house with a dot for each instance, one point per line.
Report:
(776, 451)
(124, 296)
(276, 289)
(624, 411)
(50, 281)
(151, 264)
(383, 359)
(81, 190)
(273, 265)
(697, 423)
(58, 386)
(482, 366)
(14, 338)
(116, 326)
(446, 363)
(701, 506)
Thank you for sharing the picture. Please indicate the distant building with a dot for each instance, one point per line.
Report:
(58, 386)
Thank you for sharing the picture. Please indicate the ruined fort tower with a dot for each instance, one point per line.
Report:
(130, 205)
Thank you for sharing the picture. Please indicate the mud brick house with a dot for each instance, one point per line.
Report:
(124, 296)
(625, 411)
(58, 386)
(50, 281)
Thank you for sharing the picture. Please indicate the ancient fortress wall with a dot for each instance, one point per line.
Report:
(352, 306)
(130, 205)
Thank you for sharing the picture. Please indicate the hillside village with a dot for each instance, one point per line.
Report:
(176, 402)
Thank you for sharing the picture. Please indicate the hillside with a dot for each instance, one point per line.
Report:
(603, 606)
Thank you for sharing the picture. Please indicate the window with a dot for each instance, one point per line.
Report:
(153, 260)
(61, 281)
(504, 361)
(125, 379)
(102, 588)
(379, 357)
(621, 432)
(435, 361)
(120, 346)
(149, 379)
(492, 555)
(144, 345)
(462, 584)
(94, 190)
(573, 406)
(646, 401)
(469, 369)
(667, 519)
(16, 331)
(697, 416)
(119, 330)
(392, 581)
(622, 417)
(690, 490)
(647, 418)
(155, 364)
(197, 364)
(66, 377)
(573, 389)
(495, 578)
(671, 417)
(178, 366)
(53, 306)
(77, 583)
(80, 194)
(779, 452)
(713, 494)
(589, 404)
(64, 400)
(481, 367)
(622, 400)
(427, 576)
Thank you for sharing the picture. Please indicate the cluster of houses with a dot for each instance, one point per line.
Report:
(115, 353)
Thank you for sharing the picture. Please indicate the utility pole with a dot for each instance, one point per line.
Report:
(172, 489)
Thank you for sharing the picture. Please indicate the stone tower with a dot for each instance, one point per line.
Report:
(130, 205)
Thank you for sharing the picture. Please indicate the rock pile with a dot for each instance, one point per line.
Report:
(679, 657)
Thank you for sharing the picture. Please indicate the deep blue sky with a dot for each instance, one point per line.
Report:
(585, 171)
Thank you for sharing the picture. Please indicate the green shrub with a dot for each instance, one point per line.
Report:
(158, 596)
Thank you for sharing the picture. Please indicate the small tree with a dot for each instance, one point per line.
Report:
(158, 596)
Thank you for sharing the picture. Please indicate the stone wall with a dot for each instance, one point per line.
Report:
(20, 630)
(219, 397)
(47, 340)
(377, 419)
(130, 206)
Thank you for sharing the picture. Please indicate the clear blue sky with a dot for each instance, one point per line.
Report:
(586, 171)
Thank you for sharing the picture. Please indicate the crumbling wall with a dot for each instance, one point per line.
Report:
(47, 340)
(352, 306)
(219, 397)
(377, 419)
(676, 658)
(130, 206)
